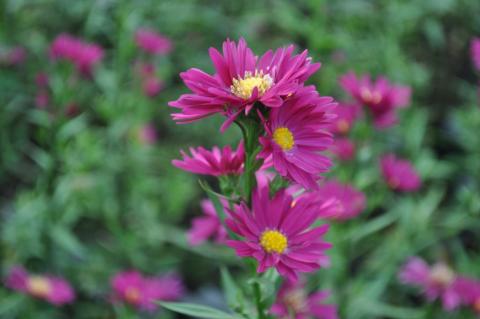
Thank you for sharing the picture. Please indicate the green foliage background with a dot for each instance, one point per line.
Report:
(82, 197)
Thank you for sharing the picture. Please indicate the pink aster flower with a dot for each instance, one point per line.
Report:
(293, 302)
(279, 234)
(475, 52)
(217, 162)
(148, 134)
(437, 281)
(152, 86)
(382, 98)
(346, 114)
(152, 42)
(349, 202)
(241, 79)
(343, 148)
(41, 99)
(399, 174)
(142, 292)
(82, 54)
(207, 226)
(296, 134)
(469, 291)
(52, 289)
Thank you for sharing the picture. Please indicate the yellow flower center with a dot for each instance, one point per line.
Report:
(296, 301)
(244, 87)
(442, 275)
(132, 295)
(273, 241)
(370, 97)
(38, 286)
(284, 138)
(343, 126)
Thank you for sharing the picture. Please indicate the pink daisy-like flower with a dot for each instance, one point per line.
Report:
(152, 42)
(437, 281)
(469, 291)
(343, 148)
(142, 292)
(278, 234)
(475, 52)
(381, 97)
(296, 134)
(207, 226)
(152, 86)
(217, 162)
(349, 202)
(399, 174)
(293, 300)
(241, 79)
(52, 289)
(346, 114)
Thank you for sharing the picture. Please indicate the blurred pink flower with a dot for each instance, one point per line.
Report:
(41, 80)
(217, 162)
(438, 281)
(17, 56)
(152, 86)
(278, 233)
(469, 291)
(382, 98)
(475, 52)
(82, 54)
(142, 292)
(346, 114)
(293, 300)
(148, 134)
(152, 42)
(52, 289)
(399, 174)
(41, 99)
(206, 226)
(343, 148)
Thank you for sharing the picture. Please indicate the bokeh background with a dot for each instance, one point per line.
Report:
(83, 193)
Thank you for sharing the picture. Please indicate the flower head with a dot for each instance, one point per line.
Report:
(147, 134)
(437, 281)
(296, 136)
(52, 289)
(152, 42)
(217, 162)
(399, 174)
(343, 148)
(278, 234)
(475, 52)
(469, 291)
(207, 226)
(142, 292)
(241, 79)
(292, 299)
(381, 97)
(152, 86)
(346, 114)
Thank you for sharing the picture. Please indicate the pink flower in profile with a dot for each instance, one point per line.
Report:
(437, 281)
(207, 226)
(343, 148)
(241, 80)
(382, 98)
(152, 86)
(279, 234)
(82, 54)
(399, 174)
(297, 133)
(148, 134)
(349, 202)
(217, 162)
(142, 292)
(475, 52)
(293, 302)
(469, 291)
(152, 42)
(52, 289)
(346, 114)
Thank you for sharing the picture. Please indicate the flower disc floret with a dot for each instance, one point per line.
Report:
(273, 241)
(244, 87)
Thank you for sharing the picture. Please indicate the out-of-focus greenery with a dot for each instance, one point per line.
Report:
(83, 197)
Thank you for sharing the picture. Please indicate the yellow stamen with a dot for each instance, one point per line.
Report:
(284, 138)
(273, 241)
(244, 87)
(38, 286)
(369, 96)
(343, 126)
(132, 295)
(442, 275)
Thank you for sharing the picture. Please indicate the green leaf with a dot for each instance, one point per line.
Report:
(233, 294)
(197, 311)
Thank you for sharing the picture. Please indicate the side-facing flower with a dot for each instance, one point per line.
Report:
(343, 148)
(241, 79)
(152, 42)
(217, 162)
(52, 289)
(297, 133)
(399, 174)
(346, 115)
(293, 302)
(279, 234)
(382, 98)
(437, 281)
(475, 52)
(142, 292)
(206, 226)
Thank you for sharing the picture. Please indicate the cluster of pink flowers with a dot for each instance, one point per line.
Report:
(441, 282)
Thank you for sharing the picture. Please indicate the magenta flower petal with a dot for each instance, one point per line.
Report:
(475, 52)
(152, 42)
(207, 226)
(399, 174)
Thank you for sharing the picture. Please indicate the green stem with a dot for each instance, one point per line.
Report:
(258, 300)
